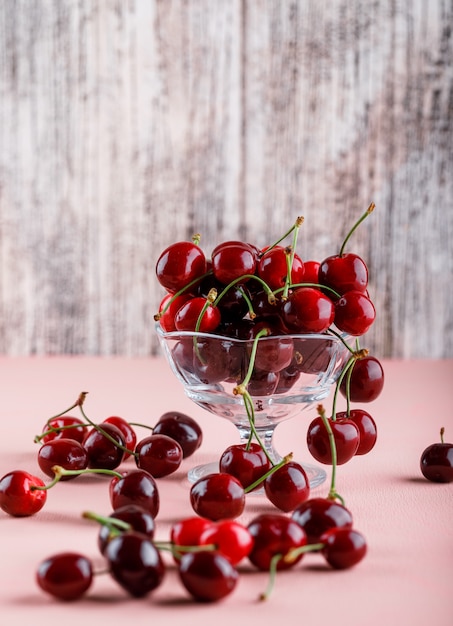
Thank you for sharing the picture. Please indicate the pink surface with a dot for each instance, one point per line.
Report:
(406, 577)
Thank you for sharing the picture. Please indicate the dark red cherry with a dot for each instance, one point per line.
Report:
(138, 518)
(346, 436)
(208, 576)
(18, 496)
(272, 268)
(354, 313)
(104, 452)
(317, 515)
(217, 496)
(179, 264)
(181, 427)
(308, 310)
(275, 534)
(159, 455)
(263, 383)
(343, 273)
(66, 576)
(135, 487)
(366, 382)
(274, 353)
(246, 462)
(129, 435)
(188, 316)
(436, 462)
(233, 259)
(216, 359)
(65, 426)
(343, 547)
(67, 453)
(288, 486)
(135, 563)
(367, 428)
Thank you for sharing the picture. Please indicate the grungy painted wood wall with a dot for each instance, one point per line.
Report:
(128, 124)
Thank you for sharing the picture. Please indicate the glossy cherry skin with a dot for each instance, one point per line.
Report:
(343, 547)
(366, 382)
(159, 455)
(232, 539)
(311, 272)
(207, 576)
(17, 496)
(346, 436)
(318, 515)
(66, 576)
(135, 487)
(308, 310)
(233, 259)
(217, 496)
(192, 312)
(354, 313)
(247, 463)
(216, 359)
(67, 453)
(272, 268)
(179, 264)
(188, 532)
(181, 427)
(367, 428)
(274, 353)
(288, 486)
(135, 563)
(102, 452)
(136, 516)
(436, 462)
(168, 308)
(344, 273)
(65, 426)
(129, 435)
(275, 533)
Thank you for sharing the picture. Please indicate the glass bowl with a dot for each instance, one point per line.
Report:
(290, 373)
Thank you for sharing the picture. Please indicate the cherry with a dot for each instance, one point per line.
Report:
(226, 365)
(65, 426)
(436, 462)
(168, 308)
(343, 547)
(246, 462)
(18, 494)
(318, 515)
(272, 267)
(180, 264)
(135, 487)
(367, 428)
(308, 310)
(188, 316)
(138, 518)
(104, 452)
(345, 433)
(67, 453)
(354, 313)
(275, 534)
(346, 272)
(274, 353)
(135, 563)
(217, 496)
(232, 539)
(129, 435)
(188, 532)
(263, 383)
(181, 427)
(232, 260)
(208, 576)
(366, 380)
(159, 455)
(311, 272)
(287, 486)
(66, 576)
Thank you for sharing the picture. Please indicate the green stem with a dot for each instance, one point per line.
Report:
(333, 452)
(316, 285)
(115, 525)
(105, 434)
(187, 287)
(274, 467)
(369, 210)
(59, 472)
(59, 429)
(295, 226)
(346, 369)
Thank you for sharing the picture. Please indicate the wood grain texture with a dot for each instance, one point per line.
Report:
(126, 125)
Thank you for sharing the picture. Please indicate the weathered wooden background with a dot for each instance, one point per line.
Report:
(128, 124)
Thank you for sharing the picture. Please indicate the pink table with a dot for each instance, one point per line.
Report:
(406, 577)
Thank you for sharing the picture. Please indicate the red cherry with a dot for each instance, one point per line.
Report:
(246, 462)
(188, 315)
(233, 259)
(135, 487)
(179, 264)
(232, 539)
(367, 428)
(288, 486)
(347, 272)
(272, 268)
(346, 436)
(354, 313)
(318, 515)
(159, 455)
(65, 426)
(308, 310)
(181, 427)
(66, 576)
(67, 453)
(311, 272)
(104, 452)
(366, 381)
(188, 532)
(275, 534)
(208, 576)
(136, 516)
(168, 308)
(217, 496)
(343, 547)
(129, 435)
(436, 462)
(17, 496)
(274, 353)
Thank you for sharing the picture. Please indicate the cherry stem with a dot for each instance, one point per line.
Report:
(369, 210)
(115, 525)
(193, 282)
(59, 472)
(210, 300)
(347, 369)
(333, 451)
(241, 279)
(57, 429)
(442, 431)
(106, 434)
(342, 339)
(317, 285)
(299, 221)
(275, 467)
